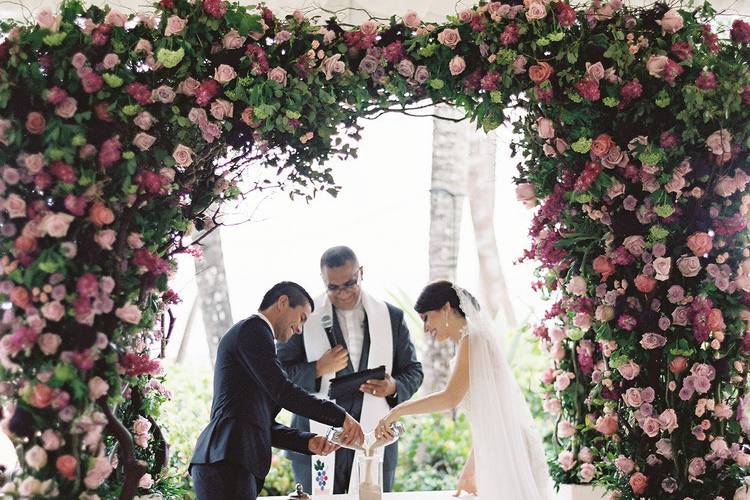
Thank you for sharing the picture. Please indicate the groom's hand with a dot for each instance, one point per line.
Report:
(319, 445)
(380, 388)
(353, 433)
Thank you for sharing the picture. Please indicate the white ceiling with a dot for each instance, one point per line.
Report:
(432, 10)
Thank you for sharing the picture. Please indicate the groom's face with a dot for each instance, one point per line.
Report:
(291, 320)
(343, 284)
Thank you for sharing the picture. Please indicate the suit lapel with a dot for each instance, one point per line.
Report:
(363, 359)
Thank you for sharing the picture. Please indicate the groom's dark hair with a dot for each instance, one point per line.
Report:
(296, 294)
(337, 257)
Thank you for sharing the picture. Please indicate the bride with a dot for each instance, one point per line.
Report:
(507, 461)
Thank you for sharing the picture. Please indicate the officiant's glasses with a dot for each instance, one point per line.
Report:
(349, 285)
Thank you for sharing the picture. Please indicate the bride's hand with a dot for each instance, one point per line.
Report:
(467, 481)
(383, 429)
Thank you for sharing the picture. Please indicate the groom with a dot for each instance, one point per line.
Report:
(233, 453)
(364, 332)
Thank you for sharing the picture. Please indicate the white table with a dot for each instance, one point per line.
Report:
(420, 495)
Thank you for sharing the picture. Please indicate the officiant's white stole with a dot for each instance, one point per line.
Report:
(373, 408)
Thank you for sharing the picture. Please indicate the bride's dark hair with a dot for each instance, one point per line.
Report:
(437, 294)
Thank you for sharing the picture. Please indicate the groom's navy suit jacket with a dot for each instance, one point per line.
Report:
(406, 371)
(250, 388)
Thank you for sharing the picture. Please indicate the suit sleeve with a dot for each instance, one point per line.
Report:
(294, 360)
(290, 439)
(407, 371)
(257, 355)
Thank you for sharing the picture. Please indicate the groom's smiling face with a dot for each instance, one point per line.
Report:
(343, 284)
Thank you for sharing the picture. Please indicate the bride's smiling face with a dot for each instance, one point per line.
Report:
(437, 323)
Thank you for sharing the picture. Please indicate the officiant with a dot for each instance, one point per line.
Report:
(350, 331)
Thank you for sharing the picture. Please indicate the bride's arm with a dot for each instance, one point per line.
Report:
(447, 399)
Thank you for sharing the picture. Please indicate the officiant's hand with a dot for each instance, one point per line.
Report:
(353, 433)
(333, 360)
(319, 445)
(380, 388)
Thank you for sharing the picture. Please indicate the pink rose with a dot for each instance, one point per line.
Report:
(587, 473)
(144, 120)
(552, 406)
(67, 466)
(567, 460)
(689, 266)
(604, 313)
(175, 26)
(651, 426)
(700, 243)
(607, 424)
(183, 155)
(671, 22)
(278, 75)
(369, 27)
(100, 215)
(465, 16)
(585, 455)
(116, 18)
(188, 86)
(678, 365)
(653, 341)
(98, 474)
(720, 142)
(680, 316)
(5, 125)
(98, 387)
(662, 266)
(36, 457)
(595, 71)
(576, 286)
(110, 60)
(697, 467)
(526, 194)
(35, 123)
(34, 163)
(629, 370)
(233, 40)
(53, 311)
(48, 21)
(51, 440)
(639, 483)
(15, 206)
(164, 94)
(634, 245)
(49, 343)
(405, 68)
(332, 65)
(645, 283)
(105, 238)
(656, 64)
(545, 128)
(135, 240)
(457, 65)
(632, 397)
(144, 141)
(129, 313)
(562, 382)
(141, 425)
(224, 74)
(411, 20)
(449, 37)
(56, 224)
(146, 481)
(67, 108)
(540, 72)
(624, 464)
(519, 65)
(41, 396)
(565, 429)
(535, 9)
(725, 186)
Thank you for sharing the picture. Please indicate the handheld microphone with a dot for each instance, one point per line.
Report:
(326, 321)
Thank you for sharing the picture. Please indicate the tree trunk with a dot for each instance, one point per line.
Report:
(448, 179)
(212, 292)
(481, 190)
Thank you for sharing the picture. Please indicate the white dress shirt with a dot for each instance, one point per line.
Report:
(352, 327)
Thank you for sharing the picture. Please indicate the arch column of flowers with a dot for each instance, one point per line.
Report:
(119, 132)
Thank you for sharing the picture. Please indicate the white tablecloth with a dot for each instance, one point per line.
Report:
(420, 495)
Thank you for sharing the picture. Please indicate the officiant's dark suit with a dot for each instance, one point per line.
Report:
(406, 372)
(233, 454)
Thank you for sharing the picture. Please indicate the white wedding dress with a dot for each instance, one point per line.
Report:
(510, 463)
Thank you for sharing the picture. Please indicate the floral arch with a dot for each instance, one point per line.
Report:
(119, 134)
